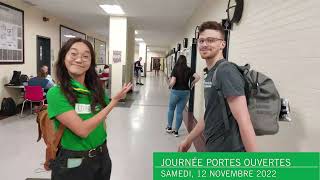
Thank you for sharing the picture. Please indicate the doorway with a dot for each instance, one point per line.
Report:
(43, 53)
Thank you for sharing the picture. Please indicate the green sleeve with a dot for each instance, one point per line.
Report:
(57, 102)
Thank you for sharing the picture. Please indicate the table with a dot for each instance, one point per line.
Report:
(14, 86)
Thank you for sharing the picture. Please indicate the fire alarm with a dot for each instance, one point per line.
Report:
(45, 19)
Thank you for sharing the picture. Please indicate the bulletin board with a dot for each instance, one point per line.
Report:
(100, 50)
(67, 33)
(11, 35)
(91, 40)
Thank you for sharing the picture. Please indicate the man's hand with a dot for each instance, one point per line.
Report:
(122, 93)
(184, 146)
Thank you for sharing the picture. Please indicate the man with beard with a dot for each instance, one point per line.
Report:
(225, 92)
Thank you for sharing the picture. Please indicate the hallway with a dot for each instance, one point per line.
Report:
(133, 135)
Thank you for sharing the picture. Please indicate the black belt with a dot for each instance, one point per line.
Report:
(99, 150)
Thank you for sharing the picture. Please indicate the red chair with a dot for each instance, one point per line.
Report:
(33, 94)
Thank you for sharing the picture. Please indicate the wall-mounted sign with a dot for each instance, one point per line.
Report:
(116, 56)
(100, 50)
(11, 35)
(226, 24)
(68, 33)
(91, 40)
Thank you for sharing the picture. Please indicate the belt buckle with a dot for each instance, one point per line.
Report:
(92, 155)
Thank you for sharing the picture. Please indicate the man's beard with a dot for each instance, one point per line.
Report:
(209, 54)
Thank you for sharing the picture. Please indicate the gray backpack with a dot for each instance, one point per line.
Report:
(263, 99)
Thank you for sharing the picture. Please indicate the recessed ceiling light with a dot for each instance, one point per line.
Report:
(69, 36)
(136, 32)
(112, 9)
(138, 39)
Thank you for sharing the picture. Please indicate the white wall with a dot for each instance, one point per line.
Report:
(117, 42)
(33, 26)
(280, 39)
(143, 55)
(136, 54)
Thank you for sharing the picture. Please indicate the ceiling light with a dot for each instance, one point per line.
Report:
(70, 36)
(112, 9)
(138, 39)
(136, 32)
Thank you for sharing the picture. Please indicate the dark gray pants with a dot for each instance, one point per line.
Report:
(91, 168)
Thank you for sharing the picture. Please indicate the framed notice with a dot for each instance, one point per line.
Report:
(116, 56)
(91, 40)
(11, 35)
(100, 50)
(67, 33)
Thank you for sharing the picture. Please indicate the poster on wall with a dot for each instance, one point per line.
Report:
(116, 56)
(100, 50)
(11, 35)
(68, 33)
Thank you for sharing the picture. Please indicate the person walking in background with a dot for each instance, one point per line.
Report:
(240, 136)
(138, 70)
(156, 67)
(80, 104)
(180, 77)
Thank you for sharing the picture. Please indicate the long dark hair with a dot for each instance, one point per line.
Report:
(91, 78)
(181, 68)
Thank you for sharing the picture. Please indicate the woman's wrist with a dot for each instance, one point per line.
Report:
(114, 101)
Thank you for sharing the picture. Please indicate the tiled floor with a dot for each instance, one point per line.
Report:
(133, 135)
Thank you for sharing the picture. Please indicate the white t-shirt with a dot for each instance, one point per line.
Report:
(50, 79)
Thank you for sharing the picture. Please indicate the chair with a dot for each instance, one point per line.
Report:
(33, 94)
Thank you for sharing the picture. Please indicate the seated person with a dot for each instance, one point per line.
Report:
(41, 80)
(105, 72)
(47, 75)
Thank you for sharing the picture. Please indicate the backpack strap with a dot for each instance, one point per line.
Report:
(51, 150)
(58, 136)
(222, 99)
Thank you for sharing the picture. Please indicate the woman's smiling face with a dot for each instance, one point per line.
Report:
(78, 59)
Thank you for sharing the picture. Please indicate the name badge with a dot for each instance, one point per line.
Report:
(83, 108)
(207, 84)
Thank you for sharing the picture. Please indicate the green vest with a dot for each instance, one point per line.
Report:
(58, 104)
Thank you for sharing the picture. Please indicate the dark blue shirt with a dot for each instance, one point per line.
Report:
(37, 81)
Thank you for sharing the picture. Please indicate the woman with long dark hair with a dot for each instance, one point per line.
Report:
(79, 104)
(180, 77)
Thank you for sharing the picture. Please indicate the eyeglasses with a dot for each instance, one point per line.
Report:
(83, 57)
(209, 40)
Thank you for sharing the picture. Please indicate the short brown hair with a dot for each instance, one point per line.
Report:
(42, 73)
(211, 25)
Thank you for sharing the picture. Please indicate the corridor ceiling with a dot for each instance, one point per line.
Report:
(157, 21)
